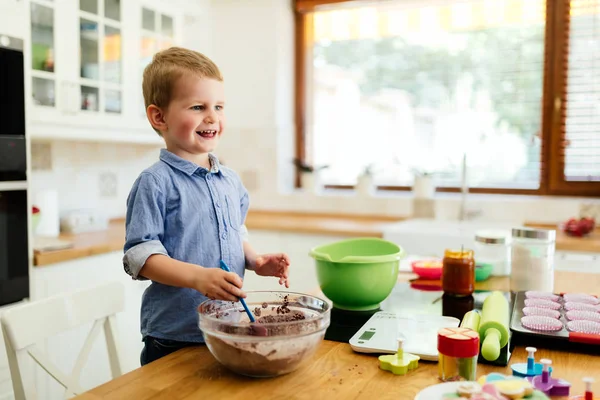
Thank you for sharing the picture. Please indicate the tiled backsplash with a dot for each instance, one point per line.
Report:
(82, 173)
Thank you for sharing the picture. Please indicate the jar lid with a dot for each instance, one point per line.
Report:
(492, 237)
(458, 342)
(532, 233)
(459, 253)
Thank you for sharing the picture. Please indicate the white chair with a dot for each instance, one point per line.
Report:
(31, 323)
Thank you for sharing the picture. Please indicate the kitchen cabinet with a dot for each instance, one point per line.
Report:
(12, 14)
(84, 61)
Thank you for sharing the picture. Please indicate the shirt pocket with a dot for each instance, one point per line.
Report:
(233, 213)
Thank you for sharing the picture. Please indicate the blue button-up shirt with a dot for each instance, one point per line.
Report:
(191, 214)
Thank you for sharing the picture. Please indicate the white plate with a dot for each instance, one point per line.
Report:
(437, 391)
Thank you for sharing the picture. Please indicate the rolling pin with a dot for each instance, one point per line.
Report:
(493, 327)
(471, 320)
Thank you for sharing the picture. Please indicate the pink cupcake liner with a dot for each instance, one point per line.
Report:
(542, 303)
(582, 298)
(545, 312)
(584, 327)
(572, 305)
(541, 323)
(581, 315)
(532, 294)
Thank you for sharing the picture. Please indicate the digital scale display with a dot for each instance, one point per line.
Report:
(366, 335)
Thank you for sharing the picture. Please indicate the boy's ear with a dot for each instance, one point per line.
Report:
(156, 117)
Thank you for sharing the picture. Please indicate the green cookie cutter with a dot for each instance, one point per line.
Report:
(399, 363)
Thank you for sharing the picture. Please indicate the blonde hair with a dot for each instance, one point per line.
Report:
(169, 65)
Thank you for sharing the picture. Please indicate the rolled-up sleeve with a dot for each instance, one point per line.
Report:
(144, 224)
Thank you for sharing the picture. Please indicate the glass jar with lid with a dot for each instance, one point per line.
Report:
(532, 259)
(493, 247)
(458, 272)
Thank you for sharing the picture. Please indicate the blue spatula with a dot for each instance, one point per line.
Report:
(226, 268)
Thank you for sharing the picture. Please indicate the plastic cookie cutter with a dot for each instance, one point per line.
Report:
(531, 368)
(550, 386)
(399, 363)
(588, 391)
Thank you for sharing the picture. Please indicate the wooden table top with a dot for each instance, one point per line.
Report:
(334, 372)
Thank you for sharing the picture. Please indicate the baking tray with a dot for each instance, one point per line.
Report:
(560, 340)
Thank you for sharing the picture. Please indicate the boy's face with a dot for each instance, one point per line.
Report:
(194, 119)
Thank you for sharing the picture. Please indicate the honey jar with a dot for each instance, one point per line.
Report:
(458, 272)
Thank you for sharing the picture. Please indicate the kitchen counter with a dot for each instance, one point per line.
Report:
(335, 371)
(84, 245)
(349, 225)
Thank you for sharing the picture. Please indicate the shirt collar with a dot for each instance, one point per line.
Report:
(186, 166)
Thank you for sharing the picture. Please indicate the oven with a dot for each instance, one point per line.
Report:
(14, 208)
(14, 244)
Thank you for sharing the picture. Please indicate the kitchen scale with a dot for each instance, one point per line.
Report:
(414, 312)
(381, 332)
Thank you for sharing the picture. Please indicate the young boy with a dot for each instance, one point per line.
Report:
(186, 212)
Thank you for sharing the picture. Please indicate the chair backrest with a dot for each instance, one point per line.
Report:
(26, 325)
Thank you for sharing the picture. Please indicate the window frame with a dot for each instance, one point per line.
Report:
(552, 177)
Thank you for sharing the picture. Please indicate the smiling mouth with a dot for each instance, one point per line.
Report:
(207, 134)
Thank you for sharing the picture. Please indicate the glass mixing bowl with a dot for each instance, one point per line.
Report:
(288, 329)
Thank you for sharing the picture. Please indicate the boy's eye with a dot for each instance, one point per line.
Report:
(197, 108)
(219, 108)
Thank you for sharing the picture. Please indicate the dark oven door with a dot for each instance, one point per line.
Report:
(14, 248)
(12, 110)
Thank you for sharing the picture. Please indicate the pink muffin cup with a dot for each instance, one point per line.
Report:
(541, 323)
(533, 294)
(577, 315)
(571, 305)
(590, 327)
(542, 303)
(544, 312)
(581, 298)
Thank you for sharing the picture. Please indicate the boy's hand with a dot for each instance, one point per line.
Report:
(215, 283)
(273, 265)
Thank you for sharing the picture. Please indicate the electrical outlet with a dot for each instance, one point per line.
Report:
(41, 156)
(108, 184)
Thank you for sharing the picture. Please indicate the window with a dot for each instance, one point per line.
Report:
(406, 87)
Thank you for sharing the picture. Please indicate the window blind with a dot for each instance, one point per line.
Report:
(581, 127)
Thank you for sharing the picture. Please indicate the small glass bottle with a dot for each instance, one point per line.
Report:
(458, 272)
(458, 350)
(532, 260)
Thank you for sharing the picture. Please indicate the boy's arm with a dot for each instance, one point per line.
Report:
(144, 224)
(249, 254)
(211, 282)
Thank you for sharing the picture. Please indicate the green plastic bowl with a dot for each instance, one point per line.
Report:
(483, 271)
(357, 274)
